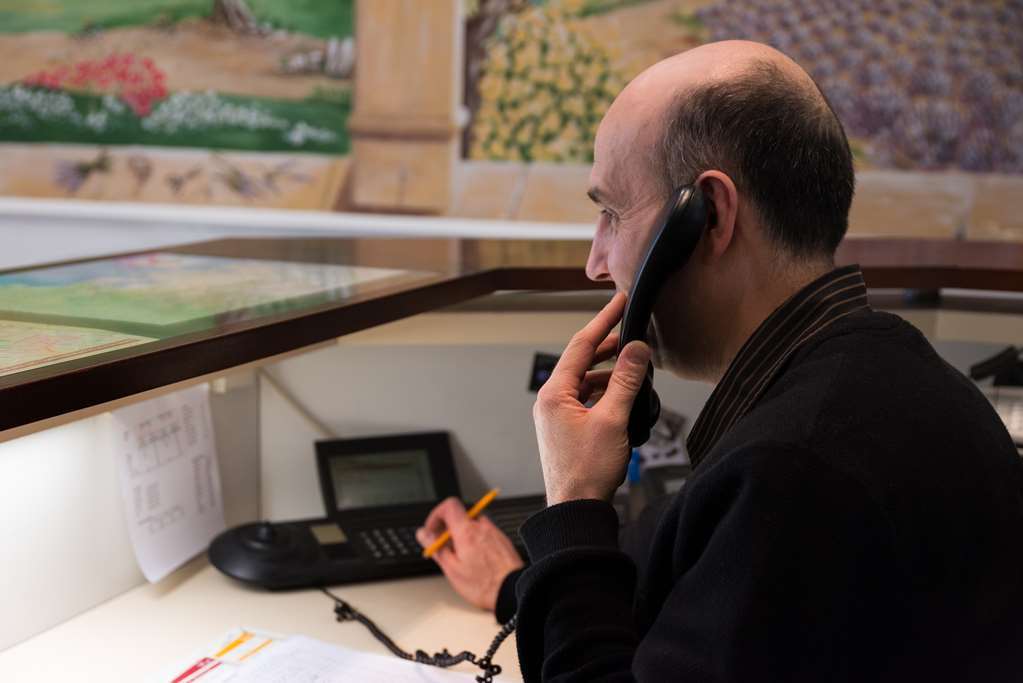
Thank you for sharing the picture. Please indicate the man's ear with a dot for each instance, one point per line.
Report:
(722, 201)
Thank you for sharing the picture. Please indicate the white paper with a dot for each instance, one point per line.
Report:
(253, 656)
(170, 478)
(667, 444)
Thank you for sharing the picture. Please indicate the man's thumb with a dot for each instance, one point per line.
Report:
(637, 354)
(627, 376)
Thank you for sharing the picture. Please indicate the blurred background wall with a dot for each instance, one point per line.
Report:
(483, 108)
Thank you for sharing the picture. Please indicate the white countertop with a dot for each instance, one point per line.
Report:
(151, 627)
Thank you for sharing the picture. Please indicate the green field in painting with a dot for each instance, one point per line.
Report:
(591, 7)
(321, 18)
(70, 124)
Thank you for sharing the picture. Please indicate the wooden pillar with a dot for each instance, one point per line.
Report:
(408, 115)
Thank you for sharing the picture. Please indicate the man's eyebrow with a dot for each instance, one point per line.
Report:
(597, 196)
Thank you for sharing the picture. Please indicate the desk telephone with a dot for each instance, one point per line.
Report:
(376, 491)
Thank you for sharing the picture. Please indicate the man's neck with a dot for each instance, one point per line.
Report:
(764, 295)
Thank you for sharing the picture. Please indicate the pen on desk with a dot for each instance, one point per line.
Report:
(473, 513)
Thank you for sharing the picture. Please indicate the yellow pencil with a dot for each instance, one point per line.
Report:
(474, 512)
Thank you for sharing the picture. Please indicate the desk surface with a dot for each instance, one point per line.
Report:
(140, 632)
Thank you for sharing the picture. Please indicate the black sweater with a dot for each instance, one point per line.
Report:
(862, 522)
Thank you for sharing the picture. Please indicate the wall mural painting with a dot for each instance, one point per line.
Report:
(545, 83)
(919, 84)
(247, 101)
(541, 74)
(226, 101)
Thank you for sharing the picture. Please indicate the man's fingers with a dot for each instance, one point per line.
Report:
(594, 382)
(626, 379)
(445, 557)
(607, 349)
(579, 354)
(448, 514)
(424, 536)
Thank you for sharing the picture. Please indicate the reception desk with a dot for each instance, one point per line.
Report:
(434, 274)
(444, 341)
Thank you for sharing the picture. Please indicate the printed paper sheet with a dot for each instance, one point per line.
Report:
(170, 479)
(252, 656)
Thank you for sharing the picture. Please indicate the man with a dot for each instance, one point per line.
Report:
(855, 510)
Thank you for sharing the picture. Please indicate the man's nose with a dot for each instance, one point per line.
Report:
(596, 264)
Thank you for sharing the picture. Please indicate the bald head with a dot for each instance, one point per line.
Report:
(747, 110)
(713, 62)
(636, 118)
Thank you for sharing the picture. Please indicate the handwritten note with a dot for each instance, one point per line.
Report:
(170, 479)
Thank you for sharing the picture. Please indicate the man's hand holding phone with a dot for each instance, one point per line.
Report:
(582, 414)
(581, 418)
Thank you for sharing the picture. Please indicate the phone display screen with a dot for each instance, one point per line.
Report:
(376, 479)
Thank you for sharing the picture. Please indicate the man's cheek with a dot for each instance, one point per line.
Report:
(623, 269)
(653, 339)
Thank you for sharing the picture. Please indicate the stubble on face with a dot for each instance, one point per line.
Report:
(679, 333)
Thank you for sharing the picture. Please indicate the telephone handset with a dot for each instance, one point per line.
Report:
(681, 222)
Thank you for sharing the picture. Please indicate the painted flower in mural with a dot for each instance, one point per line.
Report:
(136, 81)
(188, 111)
(545, 86)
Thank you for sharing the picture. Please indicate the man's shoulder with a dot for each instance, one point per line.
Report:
(867, 388)
(873, 402)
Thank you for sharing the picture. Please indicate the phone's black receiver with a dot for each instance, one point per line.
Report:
(681, 224)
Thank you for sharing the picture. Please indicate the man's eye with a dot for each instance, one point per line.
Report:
(609, 215)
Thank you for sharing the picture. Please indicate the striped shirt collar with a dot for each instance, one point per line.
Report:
(805, 315)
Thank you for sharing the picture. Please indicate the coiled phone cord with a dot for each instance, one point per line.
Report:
(345, 612)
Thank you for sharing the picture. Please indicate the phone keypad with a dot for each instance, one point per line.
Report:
(397, 542)
(391, 543)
